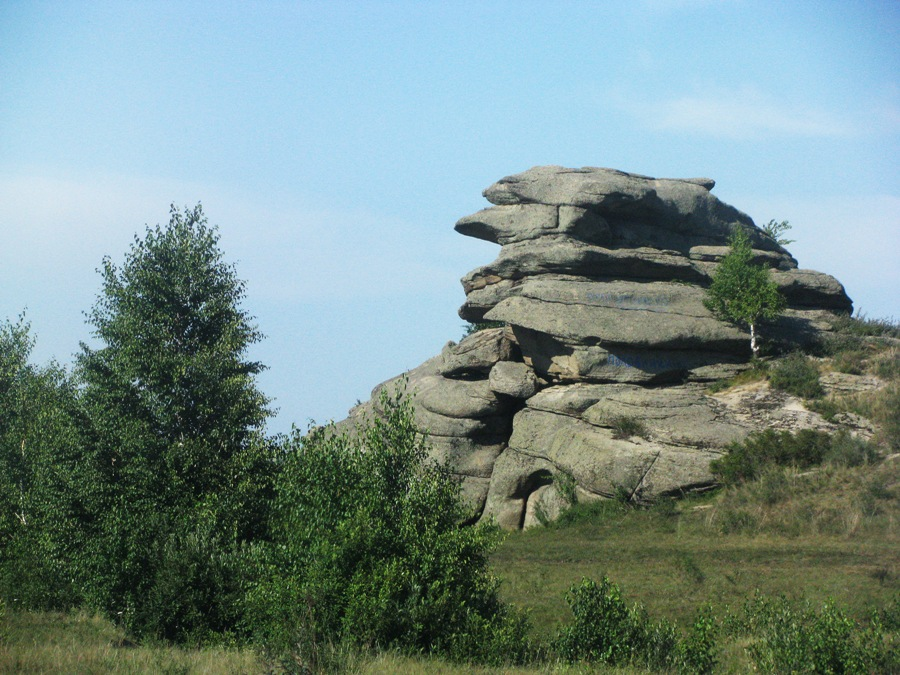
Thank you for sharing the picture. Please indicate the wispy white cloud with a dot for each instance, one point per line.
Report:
(300, 251)
(745, 113)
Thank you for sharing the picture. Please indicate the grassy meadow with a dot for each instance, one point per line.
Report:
(828, 534)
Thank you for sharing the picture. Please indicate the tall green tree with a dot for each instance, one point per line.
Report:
(181, 471)
(743, 292)
(39, 447)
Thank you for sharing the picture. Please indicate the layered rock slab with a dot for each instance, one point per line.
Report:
(600, 282)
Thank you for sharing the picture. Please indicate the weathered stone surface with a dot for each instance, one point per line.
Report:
(457, 398)
(523, 222)
(482, 300)
(508, 224)
(680, 415)
(846, 383)
(573, 257)
(513, 379)
(474, 493)
(467, 456)
(808, 288)
(774, 259)
(560, 361)
(544, 445)
(477, 353)
(758, 406)
(600, 282)
(570, 399)
(680, 205)
(638, 315)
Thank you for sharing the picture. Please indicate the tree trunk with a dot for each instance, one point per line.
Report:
(754, 347)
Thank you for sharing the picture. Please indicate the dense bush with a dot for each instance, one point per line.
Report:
(798, 638)
(798, 375)
(747, 460)
(370, 551)
(39, 447)
(606, 630)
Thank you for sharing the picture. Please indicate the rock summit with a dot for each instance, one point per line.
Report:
(593, 383)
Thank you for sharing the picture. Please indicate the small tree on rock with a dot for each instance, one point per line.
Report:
(744, 293)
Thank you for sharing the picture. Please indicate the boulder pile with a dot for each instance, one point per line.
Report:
(593, 383)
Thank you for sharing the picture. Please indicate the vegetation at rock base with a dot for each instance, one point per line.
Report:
(797, 374)
(748, 459)
(368, 550)
(743, 292)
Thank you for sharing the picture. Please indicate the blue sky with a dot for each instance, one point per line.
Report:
(336, 144)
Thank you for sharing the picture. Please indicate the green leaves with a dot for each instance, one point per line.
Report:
(774, 229)
(742, 292)
(174, 433)
(38, 466)
(369, 549)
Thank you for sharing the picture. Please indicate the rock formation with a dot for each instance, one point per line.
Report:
(599, 286)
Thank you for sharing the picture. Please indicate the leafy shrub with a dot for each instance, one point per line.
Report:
(798, 638)
(827, 407)
(854, 334)
(697, 653)
(864, 326)
(606, 630)
(774, 229)
(798, 375)
(197, 591)
(883, 408)
(888, 367)
(747, 460)
(849, 450)
(889, 616)
(565, 486)
(369, 551)
(589, 512)
(887, 413)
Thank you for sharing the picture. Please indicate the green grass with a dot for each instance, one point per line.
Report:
(829, 533)
(54, 642)
(79, 643)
